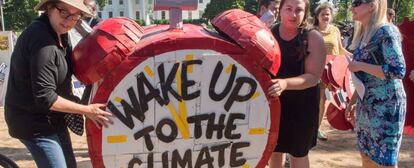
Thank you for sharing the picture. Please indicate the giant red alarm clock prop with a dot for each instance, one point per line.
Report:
(407, 32)
(182, 97)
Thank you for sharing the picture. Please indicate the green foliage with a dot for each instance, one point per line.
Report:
(251, 6)
(343, 14)
(141, 22)
(160, 22)
(196, 21)
(18, 14)
(403, 8)
(313, 4)
(101, 3)
(217, 6)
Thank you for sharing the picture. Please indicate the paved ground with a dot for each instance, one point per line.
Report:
(338, 152)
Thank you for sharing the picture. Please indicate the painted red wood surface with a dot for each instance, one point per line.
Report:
(407, 32)
(336, 77)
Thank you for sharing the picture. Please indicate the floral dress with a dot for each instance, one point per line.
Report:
(381, 112)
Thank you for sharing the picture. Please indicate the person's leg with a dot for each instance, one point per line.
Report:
(65, 141)
(395, 166)
(46, 151)
(277, 160)
(299, 162)
(322, 101)
(368, 163)
(287, 162)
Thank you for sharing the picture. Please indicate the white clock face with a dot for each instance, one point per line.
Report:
(185, 107)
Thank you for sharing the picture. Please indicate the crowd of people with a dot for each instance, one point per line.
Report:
(377, 60)
(39, 95)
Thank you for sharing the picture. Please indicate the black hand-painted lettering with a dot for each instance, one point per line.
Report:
(221, 149)
(136, 111)
(219, 127)
(165, 159)
(197, 123)
(145, 132)
(213, 82)
(234, 154)
(129, 110)
(188, 83)
(153, 93)
(133, 162)
(208, 160)
(150, 160)
(127, 119)
(173, 127)
(235, 96)
(185, 161)
(231, 126)
(166, 84)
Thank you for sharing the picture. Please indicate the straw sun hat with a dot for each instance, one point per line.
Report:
(75, 3)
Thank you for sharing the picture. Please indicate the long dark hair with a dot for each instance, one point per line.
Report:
(304, 23)
(302, 31)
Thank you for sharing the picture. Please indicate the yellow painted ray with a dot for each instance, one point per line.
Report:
(181, 118)
(229, 68)
(117, 139)
(255, 95)
(189, 57)
(149, 71)
(118, 99)
(256, 131)
(181, 104)
(182, 127)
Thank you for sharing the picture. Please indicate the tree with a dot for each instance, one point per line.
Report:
(251, 6)
(217, 6)
(313, 4)
(403, 8)
(343, 13)
(101, 3)
(18, 14)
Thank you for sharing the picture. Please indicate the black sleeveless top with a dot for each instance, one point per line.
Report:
(300, 108)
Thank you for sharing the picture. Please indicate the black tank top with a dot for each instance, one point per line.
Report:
(291, 64)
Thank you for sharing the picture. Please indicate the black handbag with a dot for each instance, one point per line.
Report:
(75, 123)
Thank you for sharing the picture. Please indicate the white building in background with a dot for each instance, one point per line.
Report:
(143, 10)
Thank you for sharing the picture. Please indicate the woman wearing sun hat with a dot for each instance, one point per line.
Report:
(39, 89)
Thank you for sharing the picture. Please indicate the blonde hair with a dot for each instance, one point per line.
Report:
(362, 35)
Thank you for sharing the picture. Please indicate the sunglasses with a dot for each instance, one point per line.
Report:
(357, 3)
(64, 14)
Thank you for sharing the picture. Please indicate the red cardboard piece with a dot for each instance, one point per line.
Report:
(339, 67)
(331, 79)
(348, 85)
(102, 51)
(407, 33)
(336, 118)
